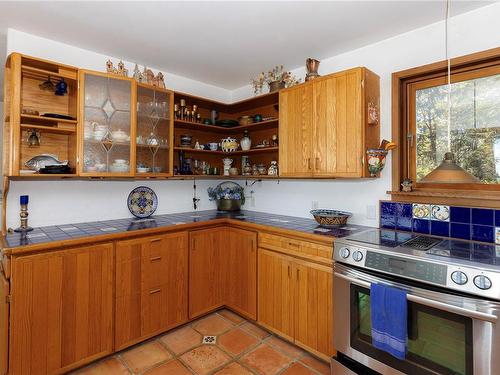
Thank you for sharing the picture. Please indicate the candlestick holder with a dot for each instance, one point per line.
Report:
(23, 214)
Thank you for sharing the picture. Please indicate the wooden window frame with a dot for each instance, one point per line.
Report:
(404, 84)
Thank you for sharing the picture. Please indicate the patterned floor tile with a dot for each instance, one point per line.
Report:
(205, 359)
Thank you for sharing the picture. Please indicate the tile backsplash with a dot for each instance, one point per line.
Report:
(478, 224)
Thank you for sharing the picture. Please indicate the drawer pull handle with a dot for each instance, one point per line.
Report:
(155, 291)
(156, 240)
(154, 259)
(293, 244)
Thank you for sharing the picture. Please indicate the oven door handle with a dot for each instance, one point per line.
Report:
(431, 303)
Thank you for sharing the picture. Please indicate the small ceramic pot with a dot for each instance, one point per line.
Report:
(229, 144)
(376, 160)
(213, 146)
(245, 142)
(233, 171)
(257, 118)
(261, 168)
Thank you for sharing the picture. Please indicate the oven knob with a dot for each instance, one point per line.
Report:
(459, 278)
(345, 252)
(482, 282)
(357, 256)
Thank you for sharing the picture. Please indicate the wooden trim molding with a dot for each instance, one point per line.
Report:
(483, 195)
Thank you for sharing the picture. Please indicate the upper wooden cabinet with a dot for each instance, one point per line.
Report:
(30, 107)
(61, 309)
(325, 127)
(107, 137)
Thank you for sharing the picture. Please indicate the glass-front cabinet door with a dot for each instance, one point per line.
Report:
(108, 125)
(154, 131)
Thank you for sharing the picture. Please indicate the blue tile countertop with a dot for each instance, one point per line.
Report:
(124, 227)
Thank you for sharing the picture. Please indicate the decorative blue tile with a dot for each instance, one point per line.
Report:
(460, 215)
(421, 226)
(497, 218)
(482, 216)
(403, 216)
(388, 208)
(483, 233)
(388, 215)
(458, 230)
(440, 228)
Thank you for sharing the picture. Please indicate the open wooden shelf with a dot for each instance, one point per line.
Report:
(51, 129)
(48, 119)
(44, 74)
(240, 152)
(268, 124)
(221, 177)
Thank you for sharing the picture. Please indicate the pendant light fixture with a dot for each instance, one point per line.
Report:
(449, 171)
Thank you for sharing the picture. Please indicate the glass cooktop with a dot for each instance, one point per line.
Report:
(388, 238)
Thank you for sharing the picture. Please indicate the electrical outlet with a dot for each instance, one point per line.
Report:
(371, 212)
(314, 205)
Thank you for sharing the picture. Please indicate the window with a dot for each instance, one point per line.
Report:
(420, 126)
(475, 123)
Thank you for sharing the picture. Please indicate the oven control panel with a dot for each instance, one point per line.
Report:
(464, 278)
(419, 270)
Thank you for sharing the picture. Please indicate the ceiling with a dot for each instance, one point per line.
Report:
(222, 43)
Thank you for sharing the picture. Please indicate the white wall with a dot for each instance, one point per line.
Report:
(71, 201)
(470, 32)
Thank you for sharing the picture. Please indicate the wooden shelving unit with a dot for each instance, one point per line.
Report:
(264, 105)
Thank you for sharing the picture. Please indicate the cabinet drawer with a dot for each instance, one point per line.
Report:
(155, 262)
(296, 247)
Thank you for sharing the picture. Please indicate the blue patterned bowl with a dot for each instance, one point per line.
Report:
(331, 218)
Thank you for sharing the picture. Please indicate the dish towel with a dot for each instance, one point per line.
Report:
(389, 317)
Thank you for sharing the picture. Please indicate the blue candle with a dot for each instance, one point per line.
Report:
(24, 199)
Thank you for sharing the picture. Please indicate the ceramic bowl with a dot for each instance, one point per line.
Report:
(330, 218)
(120, 161)
(143, 170)
(119, 136)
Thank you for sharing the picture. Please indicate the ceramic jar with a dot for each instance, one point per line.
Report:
(261, 168)
(229, 144)
(245, 142)
(227, 165)
(273, 168)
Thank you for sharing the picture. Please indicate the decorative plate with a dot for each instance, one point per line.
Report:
(142, 202)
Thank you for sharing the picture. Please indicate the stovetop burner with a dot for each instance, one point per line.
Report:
(388, 238)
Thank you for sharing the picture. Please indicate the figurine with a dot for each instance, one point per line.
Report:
(273, 168)
(274, 140)
(150, 77)
(137, 74)
(121, 69)
(255, 170)
(110, 68)
(160, 81)
(407, 185)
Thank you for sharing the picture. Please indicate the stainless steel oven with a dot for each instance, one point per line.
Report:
(449, 332)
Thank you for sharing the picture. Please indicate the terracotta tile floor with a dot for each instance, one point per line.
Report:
(241, 348)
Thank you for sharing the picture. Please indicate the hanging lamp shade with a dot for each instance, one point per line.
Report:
(449, 172)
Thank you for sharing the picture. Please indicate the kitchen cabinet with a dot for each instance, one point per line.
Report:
(223, 271)
(241, 286)
(326, 125)
(314, 307)
(276, 294)
(295, 133)
(61, 309)
(4, 322)
(107, 138)
(155, 131)
(207, 270)
(295, 301)
(151, 286)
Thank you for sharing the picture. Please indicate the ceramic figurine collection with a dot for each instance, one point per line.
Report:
(147, 76)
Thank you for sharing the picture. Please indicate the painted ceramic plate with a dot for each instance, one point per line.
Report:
(142, 202)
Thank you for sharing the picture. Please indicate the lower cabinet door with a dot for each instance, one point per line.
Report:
(151, 286)
(241, 287)
(314, 307)
(61, 309)
(207, 270)
(276, 289)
